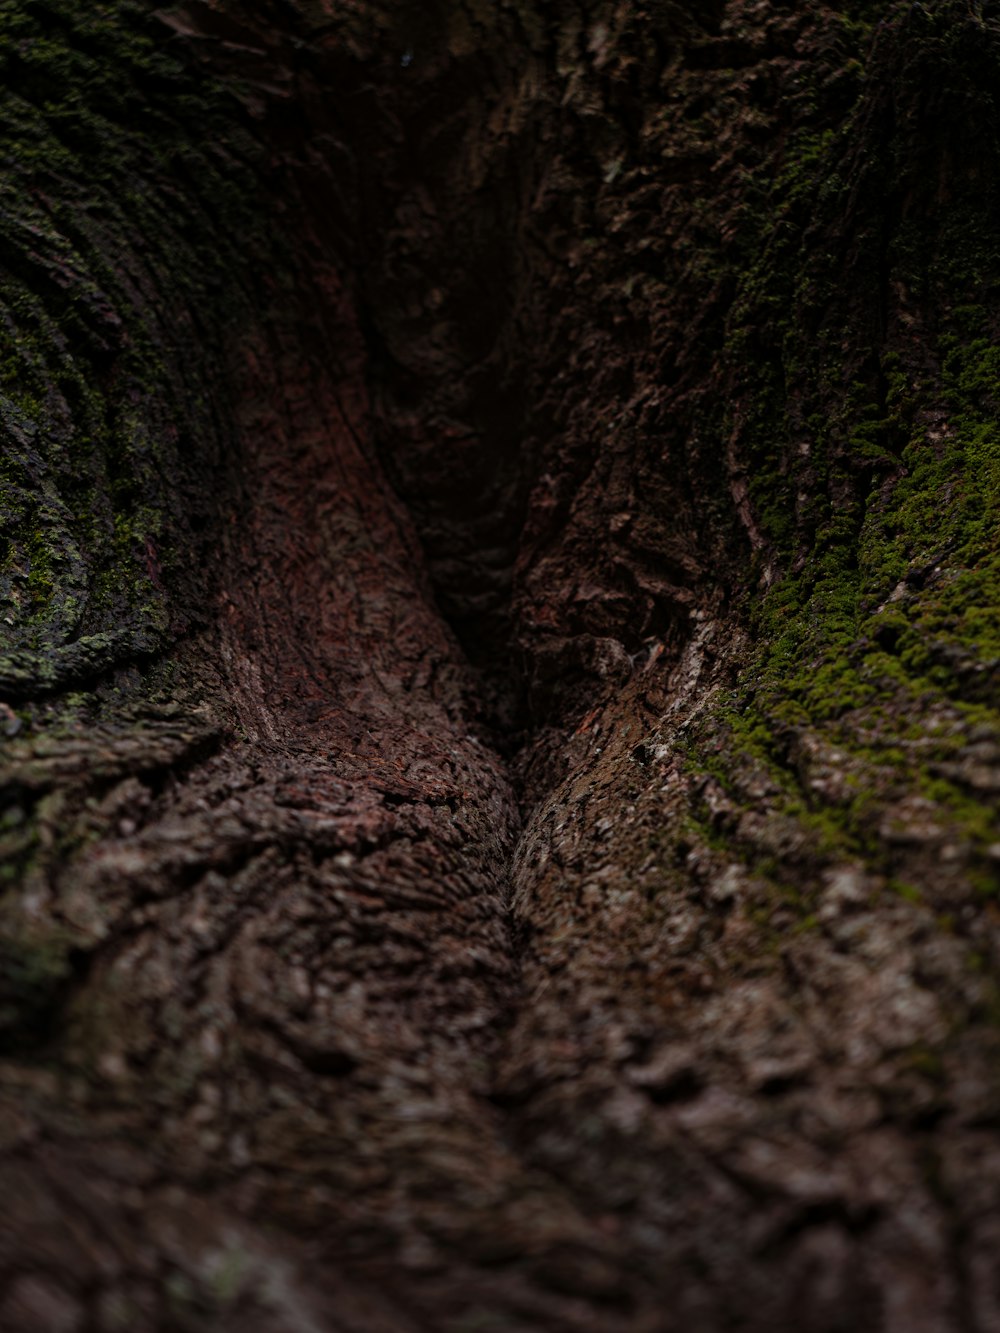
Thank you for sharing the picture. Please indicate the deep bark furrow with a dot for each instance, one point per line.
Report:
(517, 487)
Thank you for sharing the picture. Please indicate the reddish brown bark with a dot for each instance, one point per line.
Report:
(412, 936)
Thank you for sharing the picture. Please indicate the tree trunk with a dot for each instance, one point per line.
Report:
(500, 631)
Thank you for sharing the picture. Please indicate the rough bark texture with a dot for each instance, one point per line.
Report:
(500, 592)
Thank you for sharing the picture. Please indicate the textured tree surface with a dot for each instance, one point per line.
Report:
(499, 641)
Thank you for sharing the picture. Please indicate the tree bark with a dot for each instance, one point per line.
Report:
(499, 648)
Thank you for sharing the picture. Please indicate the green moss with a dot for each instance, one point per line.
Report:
(908, 891)
(131, 234)
(126, 212)
(874, 472)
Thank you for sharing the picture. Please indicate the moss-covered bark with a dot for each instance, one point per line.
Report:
(499, 665)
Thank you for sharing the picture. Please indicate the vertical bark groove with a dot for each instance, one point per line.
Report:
(499, 791)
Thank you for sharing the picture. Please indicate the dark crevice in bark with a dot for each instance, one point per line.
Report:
(330, 1015)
